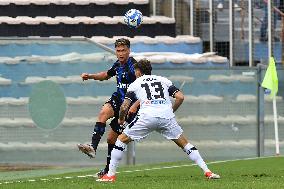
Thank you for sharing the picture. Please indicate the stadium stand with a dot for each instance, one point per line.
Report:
(71, 8)
(209, 94)
(78, 18)
(181, 43)
(241, 32)
(23, 26)
(161, 49)
(4, 81)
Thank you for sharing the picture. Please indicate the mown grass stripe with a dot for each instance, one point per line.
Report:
(136, 170)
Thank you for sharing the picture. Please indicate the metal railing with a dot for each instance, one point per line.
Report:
(243, 19)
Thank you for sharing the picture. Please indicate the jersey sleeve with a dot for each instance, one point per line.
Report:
(172, 89)
(111, 72)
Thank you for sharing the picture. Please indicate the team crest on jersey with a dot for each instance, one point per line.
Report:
(123, 75)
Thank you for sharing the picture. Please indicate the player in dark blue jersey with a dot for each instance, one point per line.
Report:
(123, 69)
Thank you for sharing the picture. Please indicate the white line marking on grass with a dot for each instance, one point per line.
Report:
(191, 165)
(89, 175)
(81, 176)
(136, 170)
(127, 171)
(44, 179)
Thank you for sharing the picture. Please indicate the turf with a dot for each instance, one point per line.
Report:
(266, 173)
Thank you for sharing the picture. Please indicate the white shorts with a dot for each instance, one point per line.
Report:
(143, 125)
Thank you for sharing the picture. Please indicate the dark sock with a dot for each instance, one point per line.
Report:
(99, 131)
(109, 149)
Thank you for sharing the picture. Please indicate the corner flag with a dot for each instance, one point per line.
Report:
(270, 80)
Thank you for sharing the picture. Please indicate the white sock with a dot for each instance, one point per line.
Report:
(194, 155)
(116, 156)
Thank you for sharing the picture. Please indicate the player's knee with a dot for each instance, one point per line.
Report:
(119, 145)
(103, 116)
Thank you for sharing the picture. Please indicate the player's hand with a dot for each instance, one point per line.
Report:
(130, 116)
(132, 110)
(85, 76)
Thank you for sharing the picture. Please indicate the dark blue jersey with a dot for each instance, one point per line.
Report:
(125, 75)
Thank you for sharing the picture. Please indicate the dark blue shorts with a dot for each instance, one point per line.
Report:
(115, 103)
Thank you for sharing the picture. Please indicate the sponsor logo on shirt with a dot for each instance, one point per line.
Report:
(155, 101)
(122, 86)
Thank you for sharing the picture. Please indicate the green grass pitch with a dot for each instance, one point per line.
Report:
(262, 173)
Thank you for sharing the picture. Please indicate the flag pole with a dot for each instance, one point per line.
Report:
(270, 82)
(276, 127)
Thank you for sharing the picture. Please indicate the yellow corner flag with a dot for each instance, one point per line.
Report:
(270, 80)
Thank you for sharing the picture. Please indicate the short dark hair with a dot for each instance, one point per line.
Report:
(144, 65)
(122, 41)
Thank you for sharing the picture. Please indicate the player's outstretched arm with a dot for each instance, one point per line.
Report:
(179, 97)
(96, 76)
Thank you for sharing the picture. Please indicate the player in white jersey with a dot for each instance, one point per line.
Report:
(156, 114)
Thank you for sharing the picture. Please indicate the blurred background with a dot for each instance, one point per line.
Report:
(215, 51)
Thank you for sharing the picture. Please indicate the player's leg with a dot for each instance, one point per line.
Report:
(116, 155)
(194, 155)
(171, 130)
(191, 151)
(105, 114)
(99, 129)
(111, 139)
(114, 132)
(136, 130)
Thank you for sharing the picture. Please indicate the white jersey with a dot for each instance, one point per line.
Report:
(153, 92)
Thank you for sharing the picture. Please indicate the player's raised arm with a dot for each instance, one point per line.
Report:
(179, 97)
